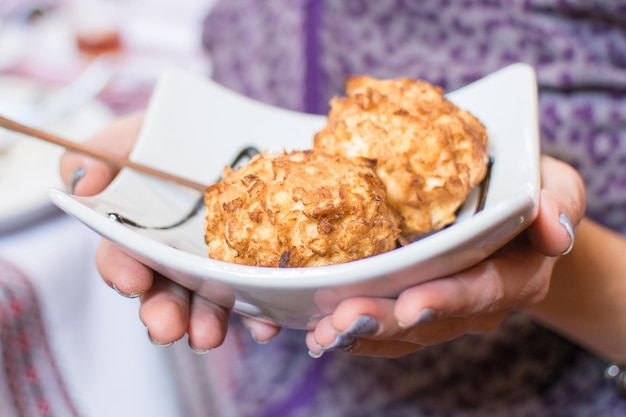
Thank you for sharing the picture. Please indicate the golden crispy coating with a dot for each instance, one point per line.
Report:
(429, 153)
(303, 208)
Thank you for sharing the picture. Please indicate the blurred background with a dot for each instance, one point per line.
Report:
(69, 345)
(53, 41)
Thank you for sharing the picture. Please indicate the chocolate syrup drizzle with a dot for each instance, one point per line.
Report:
(484, 186)
(245, 154)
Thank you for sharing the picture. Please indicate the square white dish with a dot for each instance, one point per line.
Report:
(194, 127)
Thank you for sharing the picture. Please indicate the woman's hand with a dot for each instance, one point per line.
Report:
(168, 310)
(473, 301)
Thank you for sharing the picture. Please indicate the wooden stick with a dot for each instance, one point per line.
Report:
(95, 153)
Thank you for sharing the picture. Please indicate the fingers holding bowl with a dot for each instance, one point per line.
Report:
(84, 175)
(121, 272)
(473, 301)
(168, 310)
(368, 326)
(514, 278)
(382, 335)
(207, 324)
(562, 205)
(260, 331)
(362, 326)
(165, 311)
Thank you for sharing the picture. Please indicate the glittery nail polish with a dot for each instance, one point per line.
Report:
(154, 342)
(425, 316)
(569, 227)
(197, 350)
(134, 295)
(342, 342)
(77, 175)
(316, 355)
(362, 326)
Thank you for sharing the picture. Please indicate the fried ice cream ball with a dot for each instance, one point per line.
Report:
(429, 153)
(297, 209)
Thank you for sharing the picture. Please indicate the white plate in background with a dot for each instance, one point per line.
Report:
(194, 127)
(29, 167)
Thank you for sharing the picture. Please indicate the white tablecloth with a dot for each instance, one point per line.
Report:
(101, 346)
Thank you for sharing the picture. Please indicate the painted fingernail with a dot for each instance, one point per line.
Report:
(362, 326)
(155, 343)
(256, 339)
(569, 227)
(316, 355)
(342, 342)
(77, 175)
(133, 295)
(197, 350)
(425, 316)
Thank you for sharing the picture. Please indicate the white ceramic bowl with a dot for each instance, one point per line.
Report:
(194, 127)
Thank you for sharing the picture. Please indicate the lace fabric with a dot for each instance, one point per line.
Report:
(35, 386)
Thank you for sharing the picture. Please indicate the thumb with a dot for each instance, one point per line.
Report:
(561, 207)
(84, 175)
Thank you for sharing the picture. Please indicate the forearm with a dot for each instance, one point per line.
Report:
(587, 297)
